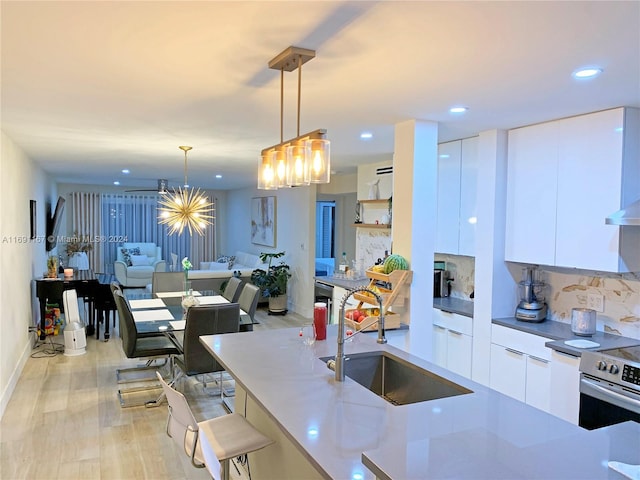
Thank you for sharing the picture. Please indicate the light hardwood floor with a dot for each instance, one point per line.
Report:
(64, 420)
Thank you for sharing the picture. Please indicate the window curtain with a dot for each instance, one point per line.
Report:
(203, 247)
(134, 218)
(86, 219)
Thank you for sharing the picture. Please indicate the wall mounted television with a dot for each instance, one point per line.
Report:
(53, 225)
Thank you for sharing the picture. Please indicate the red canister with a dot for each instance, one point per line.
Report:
(320, 320)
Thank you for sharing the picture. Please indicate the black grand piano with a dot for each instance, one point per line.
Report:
(89, 286)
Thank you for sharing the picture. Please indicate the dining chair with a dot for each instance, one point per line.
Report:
(205, 320)
(228, 436)
(158, 347)
(232, 290)
(167, 282)
(209, 456)
(105, 306)
(248, 301)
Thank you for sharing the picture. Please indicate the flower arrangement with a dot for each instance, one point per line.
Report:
(76, 244)
(186, 266)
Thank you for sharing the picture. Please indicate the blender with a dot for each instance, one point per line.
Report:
(531, 307)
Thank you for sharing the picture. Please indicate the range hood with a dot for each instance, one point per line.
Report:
(626, 216)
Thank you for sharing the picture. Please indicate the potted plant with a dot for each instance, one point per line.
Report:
(273, 282)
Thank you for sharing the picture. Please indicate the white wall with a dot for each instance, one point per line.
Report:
(295, 235)
(21, 259)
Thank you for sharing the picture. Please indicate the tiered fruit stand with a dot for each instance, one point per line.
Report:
(394, 292)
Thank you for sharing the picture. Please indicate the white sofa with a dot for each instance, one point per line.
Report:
(211, 275)
(140, 272)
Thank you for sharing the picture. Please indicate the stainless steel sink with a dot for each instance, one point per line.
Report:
(396, 380)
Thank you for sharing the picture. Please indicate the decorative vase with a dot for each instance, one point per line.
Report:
(188, 299)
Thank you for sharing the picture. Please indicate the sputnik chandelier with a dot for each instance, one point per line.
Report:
(304, 159)
(185, 207)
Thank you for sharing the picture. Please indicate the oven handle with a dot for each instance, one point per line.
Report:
(591, 388)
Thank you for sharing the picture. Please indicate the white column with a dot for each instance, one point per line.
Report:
(495, 290)
(414, 221)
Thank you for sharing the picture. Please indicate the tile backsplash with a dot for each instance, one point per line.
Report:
(463, 270)
(621, 294)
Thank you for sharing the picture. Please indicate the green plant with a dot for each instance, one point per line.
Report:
(273, 281)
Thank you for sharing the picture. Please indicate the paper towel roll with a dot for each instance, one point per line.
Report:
(583, 321)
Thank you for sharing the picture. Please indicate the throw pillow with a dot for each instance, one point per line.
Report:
(127, 252)
(223, 259)
(139, 260)
(232, 260)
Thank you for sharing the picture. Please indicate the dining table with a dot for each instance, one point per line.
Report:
(163, 311)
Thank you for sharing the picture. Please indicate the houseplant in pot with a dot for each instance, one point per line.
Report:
(273, 282)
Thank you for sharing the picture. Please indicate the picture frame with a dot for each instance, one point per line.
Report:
(32, 219)
(263, 221)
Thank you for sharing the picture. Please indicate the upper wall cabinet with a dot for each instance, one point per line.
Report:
(456, 212)
(564, 178)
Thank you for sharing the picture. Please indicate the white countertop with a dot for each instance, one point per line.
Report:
(337, 425)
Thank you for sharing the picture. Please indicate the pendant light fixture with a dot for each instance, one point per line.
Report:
(186, 207)
(301, 160)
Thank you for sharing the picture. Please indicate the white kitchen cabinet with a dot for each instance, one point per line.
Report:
(530, 235)
(564, 177)
(468, 202)
(453, 341)
(565, 386)
(508, 374)
(456, 201)
(448, 208)
(520, 366)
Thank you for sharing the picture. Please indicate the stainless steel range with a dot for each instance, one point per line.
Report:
(609, 387)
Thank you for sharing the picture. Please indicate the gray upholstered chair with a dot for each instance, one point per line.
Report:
(228, 436)
(205, 320)
(152, 348)
(167, 282)
(248, 301)
(232, 290)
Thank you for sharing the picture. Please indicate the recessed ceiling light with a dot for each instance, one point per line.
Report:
(444, 155)
(458, 109)
(366, 136)
(116, 183)
(588, 72)
(218, 176)
(125, 171)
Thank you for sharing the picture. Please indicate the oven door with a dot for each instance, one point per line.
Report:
(603, 403)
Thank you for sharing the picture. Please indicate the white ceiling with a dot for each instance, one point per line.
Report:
(89, 88)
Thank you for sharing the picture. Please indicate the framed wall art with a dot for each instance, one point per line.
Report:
(32, 218)
(263, 221)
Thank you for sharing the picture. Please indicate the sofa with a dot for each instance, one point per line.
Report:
(211, 275)
(136, 263)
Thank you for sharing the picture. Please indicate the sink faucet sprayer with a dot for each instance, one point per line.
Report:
(338, 364)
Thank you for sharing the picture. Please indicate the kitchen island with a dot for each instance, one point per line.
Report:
(328, 429)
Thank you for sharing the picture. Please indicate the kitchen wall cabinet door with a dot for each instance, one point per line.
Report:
(532, 184)
(468, 201)
(457, 186)
(564, 177)
(565, 386)
(508, 373)
(448, 209)
(589, 188)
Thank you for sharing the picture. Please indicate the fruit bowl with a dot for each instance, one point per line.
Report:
(365, 319)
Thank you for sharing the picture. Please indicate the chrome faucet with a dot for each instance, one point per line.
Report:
(338, 364)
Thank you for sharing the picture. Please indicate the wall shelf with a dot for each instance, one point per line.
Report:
(371, 225)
